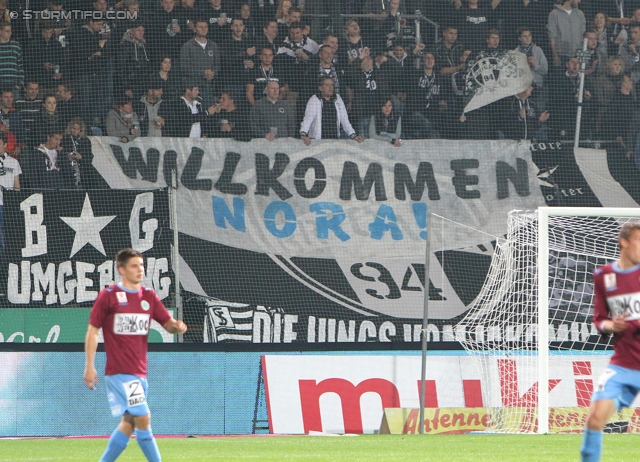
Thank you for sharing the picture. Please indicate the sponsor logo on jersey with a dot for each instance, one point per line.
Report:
(610, 282)
(122, 298)
(145, 305)
(131, 324)
(627, 305)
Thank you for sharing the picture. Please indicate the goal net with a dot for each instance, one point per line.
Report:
(531, 323)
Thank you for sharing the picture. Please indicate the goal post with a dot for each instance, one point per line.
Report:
(529, 330)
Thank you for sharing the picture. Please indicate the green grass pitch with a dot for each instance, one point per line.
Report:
(511, 448)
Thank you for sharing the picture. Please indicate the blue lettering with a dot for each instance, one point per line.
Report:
(290, 223)
(420, 214)
(222, 214)
(324, 223)
(385, 221)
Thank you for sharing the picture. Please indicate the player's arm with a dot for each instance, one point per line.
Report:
(90, 347)
(173, 326)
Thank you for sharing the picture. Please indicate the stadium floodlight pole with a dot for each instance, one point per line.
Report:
(425, 323)
(175, 251)
(583, 64)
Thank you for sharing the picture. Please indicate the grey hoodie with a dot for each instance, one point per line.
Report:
(566, 28)
(266, 114)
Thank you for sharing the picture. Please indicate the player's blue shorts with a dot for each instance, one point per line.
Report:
(618, 383)
(127, 393)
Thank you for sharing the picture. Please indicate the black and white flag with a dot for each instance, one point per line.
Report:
(492, 76)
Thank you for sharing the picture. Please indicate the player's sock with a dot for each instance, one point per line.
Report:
(591, 446)
(117, 443)
(148, 445)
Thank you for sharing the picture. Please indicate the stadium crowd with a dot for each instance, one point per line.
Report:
(314, 69)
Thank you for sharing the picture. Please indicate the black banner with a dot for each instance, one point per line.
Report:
(61, 245)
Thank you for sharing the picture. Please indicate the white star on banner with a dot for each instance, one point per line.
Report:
(87, 228)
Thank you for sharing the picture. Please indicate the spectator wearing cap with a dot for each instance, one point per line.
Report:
(167, 28)
(132, 63)
(229, 119)
(185, 117)
(47, 59)
(122, 122)
(270, 117)
(147, 108)
(200, 63)
(11, 60)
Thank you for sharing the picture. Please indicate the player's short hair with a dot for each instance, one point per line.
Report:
(123, 257)
(627, 230)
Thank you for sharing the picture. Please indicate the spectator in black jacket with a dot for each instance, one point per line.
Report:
(368, 86)
(46, 58)
(269, 36)
(238, 53)
(185, 117)
(132, 63)
(426, 103)
(40, 165)
(69, 104)
(29, 107)
(76, 157)
(90, 57)
(229, 120)
(261, 75)
(47, 121)
(167, 28)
